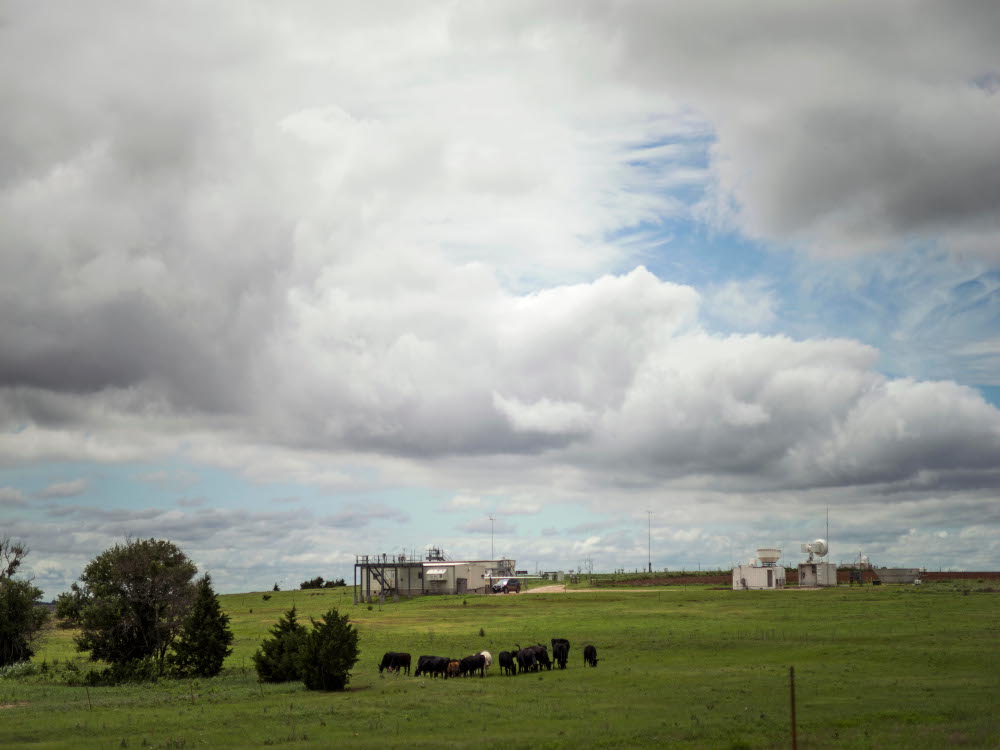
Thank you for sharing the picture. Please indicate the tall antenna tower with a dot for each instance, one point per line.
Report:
(649, 539)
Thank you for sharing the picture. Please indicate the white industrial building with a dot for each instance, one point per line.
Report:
(812, 573)
(760, 574)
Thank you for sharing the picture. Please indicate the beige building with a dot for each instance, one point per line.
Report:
(382, 576)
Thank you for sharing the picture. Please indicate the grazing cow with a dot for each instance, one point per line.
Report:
(589, 656)
(432, 665)
(560, 651)
(394, 662)
(473, 664)
(506, 661)
(489, 660)
(541, 656)
(454, 669)
(401, 663)
(526, 661)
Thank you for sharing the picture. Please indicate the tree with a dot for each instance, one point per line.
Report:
(329, 653)
(205, 637)
(315, 583)
(136, 598)
(69, 606)
(278, 657)
(21, 620)
(11, 555)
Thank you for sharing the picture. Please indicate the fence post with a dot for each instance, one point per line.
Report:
(791, 681)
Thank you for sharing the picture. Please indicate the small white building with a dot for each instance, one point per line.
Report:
(762, 573)
(812, 573)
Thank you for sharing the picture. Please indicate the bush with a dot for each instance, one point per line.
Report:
(18, 670)
(205, 637)
(136, 597)
(131, 672)
(20, 620)
(278, 657)
(329, 653)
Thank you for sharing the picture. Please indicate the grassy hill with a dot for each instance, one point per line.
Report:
(913, 667)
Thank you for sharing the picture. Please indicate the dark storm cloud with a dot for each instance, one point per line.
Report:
(849, 126)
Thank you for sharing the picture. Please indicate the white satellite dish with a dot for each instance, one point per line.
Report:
(818, 548)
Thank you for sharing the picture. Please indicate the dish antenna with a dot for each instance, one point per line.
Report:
(818, 548)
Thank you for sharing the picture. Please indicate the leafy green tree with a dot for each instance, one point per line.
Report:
(69, 606)
(136, 598)
(21, 620)
(329, 653)
(205, 638)
(278, 657)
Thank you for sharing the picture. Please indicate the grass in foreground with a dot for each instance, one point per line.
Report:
(688, 668)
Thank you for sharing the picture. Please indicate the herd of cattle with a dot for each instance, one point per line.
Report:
(529, 659)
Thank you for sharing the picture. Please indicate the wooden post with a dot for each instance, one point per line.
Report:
(791, 681)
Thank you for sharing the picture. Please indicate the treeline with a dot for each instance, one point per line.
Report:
(319, 583)
(139, 609)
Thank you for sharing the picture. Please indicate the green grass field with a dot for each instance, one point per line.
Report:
(887, 667)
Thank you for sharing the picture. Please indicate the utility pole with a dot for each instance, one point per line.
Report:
(649, 539)
(492, 554)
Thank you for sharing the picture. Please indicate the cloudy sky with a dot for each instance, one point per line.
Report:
(286, 283)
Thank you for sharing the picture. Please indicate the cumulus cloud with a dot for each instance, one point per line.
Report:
(312, 254)
(11, 497)
(56, 490)
(841, 128)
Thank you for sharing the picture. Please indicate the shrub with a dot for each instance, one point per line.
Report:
(20, 620)
(17, 670)
(278, 657)
(136, 597)
(130, 672)
(329, 653)
(205, 637)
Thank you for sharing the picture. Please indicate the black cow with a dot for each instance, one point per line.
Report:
(395, 662)
(526, 661)
(506, 661)
(473, 664)
(432, 665)
(589, 656)
(542, 656)
(560, 651)
(386, 662)
(402, 663)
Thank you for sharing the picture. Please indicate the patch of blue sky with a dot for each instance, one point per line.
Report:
(34, 479)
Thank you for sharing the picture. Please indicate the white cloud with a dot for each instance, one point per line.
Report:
(462, 503)
(11, 497)
(745, 305)
(71, 488)
(390, 247)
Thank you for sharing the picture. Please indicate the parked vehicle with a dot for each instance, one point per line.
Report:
(505, 585)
